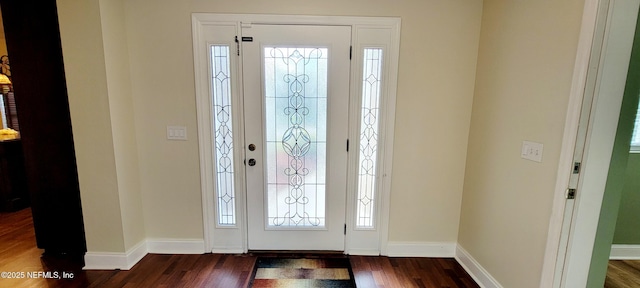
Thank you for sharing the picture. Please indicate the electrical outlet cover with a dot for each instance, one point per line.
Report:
(532, 151)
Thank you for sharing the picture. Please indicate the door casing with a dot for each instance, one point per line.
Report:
(569, 251)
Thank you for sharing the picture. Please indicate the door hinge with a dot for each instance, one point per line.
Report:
(576, 167)
(350, 52)
(345, 228)
(237, 46)
(347, 145)
(571, 193)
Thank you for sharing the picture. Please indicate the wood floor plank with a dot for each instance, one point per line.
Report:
(623, 274)
(18, 253)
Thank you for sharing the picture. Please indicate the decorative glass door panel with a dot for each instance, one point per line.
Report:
(296, 136)
(296, 90)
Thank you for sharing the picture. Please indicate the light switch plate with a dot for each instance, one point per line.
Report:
(532, 151)
(177, 133)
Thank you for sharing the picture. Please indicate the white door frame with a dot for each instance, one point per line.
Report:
(609, 40)
(220, 29)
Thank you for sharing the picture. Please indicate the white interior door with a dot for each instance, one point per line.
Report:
(296, 97)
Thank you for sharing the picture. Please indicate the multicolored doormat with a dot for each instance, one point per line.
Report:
(302, 272)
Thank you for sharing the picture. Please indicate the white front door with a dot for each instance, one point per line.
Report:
(296, 99)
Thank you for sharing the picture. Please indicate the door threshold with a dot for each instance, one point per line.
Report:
(297, 253)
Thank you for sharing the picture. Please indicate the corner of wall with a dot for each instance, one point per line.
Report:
(475, 269)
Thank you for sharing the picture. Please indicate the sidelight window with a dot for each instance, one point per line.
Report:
(369, 122)
(223, 133)
(635, 139)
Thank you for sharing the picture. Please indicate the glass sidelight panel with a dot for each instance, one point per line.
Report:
(295, 132)
(223, 133)
(370, 111)
(635, 139)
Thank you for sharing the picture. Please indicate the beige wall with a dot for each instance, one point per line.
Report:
(99, 89)
(437, 69)
(83, 54)
(525, 64)
(122, 119)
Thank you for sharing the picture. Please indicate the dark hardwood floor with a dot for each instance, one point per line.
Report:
(409, 272)
(623, 274)
(19, 257)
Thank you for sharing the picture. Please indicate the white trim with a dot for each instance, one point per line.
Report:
(206, 166)
(226, 32)
(364, 252)
(125, 261)
(175, 246)
(387, 38)
(625, 252)
(136, 253)
(389, 120)
(475, 270)
(228, 250)
(114, 260)
(421, 249)
(294, 19)
(572, 121)
(105, 261)
(603, 121)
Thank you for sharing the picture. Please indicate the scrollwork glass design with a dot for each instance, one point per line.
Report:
(296, 117)
(370, 112)
(223, 132)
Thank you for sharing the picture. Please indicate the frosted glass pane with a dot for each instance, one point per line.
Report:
(295, 118)
(222, 126)
(372, 73)
(635, 139)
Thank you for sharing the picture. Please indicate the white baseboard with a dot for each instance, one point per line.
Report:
(228, 250)
(625, 252)
(175, 246)
(105, 261)
(363, 252)
(421, 249)
(136, 254)
(477, 272)
(115, 260)
(125, 261)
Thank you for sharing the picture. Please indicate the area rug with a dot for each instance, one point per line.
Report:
(302, 272)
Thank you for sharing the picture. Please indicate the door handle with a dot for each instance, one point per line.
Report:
(252, 162)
